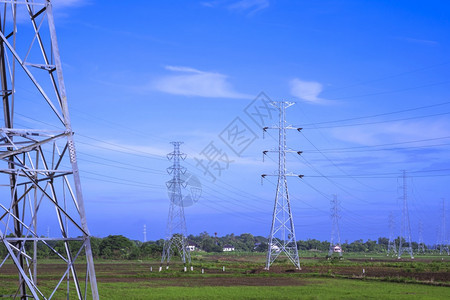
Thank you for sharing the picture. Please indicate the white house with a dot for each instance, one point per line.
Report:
(337, 249)
(275, 247)
(191, 246)
(228, 248)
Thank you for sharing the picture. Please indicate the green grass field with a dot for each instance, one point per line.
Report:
(320, 288)
(357, 276)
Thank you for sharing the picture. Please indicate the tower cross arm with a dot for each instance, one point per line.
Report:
(287, 175)
(286, 127)
(285, 151)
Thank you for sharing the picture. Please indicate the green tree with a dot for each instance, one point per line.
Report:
(115, 247)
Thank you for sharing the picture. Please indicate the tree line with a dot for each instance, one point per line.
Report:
(120, 247)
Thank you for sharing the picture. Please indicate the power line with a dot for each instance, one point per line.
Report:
(380, 145)
(381, 114)
(378, 122)
(332, 162)
(390, 76)
(392, 91)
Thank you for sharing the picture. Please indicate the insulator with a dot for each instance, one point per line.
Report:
(73, 156)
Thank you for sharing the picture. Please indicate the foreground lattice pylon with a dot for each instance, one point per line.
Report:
(282, 232)
(40, 179)
(176, 232)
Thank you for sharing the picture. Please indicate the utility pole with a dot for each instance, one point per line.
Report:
(392, 249)
(282, 232)
(421, 245)
(39, 163)
(405, 235)
(176, 223)
(443, 242)
(335, 240)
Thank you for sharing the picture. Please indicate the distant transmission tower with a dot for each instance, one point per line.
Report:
(282, 232)
(335, 240)
(405, 234)
(443, 242)
(176, 233)
(40, 178)
(392, 249)
(421, 245)
(145, 233)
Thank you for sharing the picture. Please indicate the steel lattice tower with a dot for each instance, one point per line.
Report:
(335, 239)
(145, 233)
(41, 182)
(282, 232)
(421, 245)
(391, 244)
(405, 234)
(176, 223)
(443, 243)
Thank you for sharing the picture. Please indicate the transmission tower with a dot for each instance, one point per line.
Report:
(443, 243)
(335, 240)
(392, 249)
(41, 182)
(145, 233)
(421, 245)
(282, 232)
(176, 233)
(405, 234)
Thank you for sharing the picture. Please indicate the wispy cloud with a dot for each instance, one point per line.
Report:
(60, 9)
(192, 82)
(241, 6)
(307, 90)
(250, 6)
(391, 147)
(117, 146)
(419, 41)
(69, 3)
(393, 132)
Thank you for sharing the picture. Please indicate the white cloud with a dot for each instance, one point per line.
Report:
(119, 146)
(252, 6)
(387, 153)
(193, 82)
(59, 9)
(419, 41)
(241, 6)
(307, 90)
(392, 132)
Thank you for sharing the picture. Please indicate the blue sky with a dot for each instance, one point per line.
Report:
(371, 84)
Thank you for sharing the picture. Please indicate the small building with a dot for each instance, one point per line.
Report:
(228, 248)
(191, 246)
(337, 249)
(275, 247)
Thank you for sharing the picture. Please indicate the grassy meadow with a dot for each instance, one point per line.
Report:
(242, 276)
